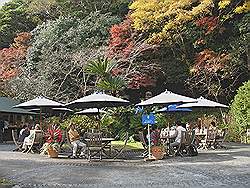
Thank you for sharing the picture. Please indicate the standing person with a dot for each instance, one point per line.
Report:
(1, 129)
(74, 138)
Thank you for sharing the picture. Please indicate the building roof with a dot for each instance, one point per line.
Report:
(6, 106)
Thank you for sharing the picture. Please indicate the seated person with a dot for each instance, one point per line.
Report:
(29, 139)
(22, 134)
(25, 131)
(74, 138)
(181, 127)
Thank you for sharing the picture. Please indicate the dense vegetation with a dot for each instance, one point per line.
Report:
(65, 49)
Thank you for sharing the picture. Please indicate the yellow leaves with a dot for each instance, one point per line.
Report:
(163, 16)
(242, 9)
(203, 8)
(223, 4)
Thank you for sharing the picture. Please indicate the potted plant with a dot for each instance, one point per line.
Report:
(53, 149)
(53, 141)
(157, 148)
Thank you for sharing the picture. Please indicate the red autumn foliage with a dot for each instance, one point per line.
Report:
(121, 41)
(210, 61)
(141, 80)
(11, 57)
(209, 23)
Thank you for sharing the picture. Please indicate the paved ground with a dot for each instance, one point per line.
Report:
(221, 168)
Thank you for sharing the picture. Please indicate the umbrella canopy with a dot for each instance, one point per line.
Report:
(55, 110)
(39, 102)
(173, 108)
(167, 97)
(202, 102)
(90, 111)
(98, 100)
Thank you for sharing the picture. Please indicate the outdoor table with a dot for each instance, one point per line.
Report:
(105, 142)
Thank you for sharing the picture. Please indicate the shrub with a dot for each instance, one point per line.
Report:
(240, 111)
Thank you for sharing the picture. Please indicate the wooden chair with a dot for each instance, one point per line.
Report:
(37, 142)
(15, 137)
(210, 139)
(144, 144)
(219, 139)
(191, 149)
(94, 145)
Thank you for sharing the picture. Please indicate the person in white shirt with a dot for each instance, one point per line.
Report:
(181, 127)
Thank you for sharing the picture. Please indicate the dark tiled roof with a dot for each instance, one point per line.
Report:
(6, 105)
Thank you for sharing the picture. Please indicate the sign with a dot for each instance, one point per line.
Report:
(148, 119)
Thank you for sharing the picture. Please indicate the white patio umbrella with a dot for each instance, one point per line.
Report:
(97, 100)
(41, 103)
(93, 111)
(203, 103)
(54, 110)
(164, 98)
(167, 97)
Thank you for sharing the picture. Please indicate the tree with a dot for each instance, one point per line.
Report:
(11, 58)
(102, 69)
(194, 37)
(60, 49)
(13, 20)
(53, 9)
(240, 110)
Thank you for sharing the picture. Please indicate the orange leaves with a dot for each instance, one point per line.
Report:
(141, 80)
(209, 23)
(21, 40)
(121, 42)
(210, 61)
(11, 57)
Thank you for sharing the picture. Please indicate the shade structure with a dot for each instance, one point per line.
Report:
(97, 100)
(90, 111)
(39, 102)
(166, 97)
(203, 103)
(173, 108)
(54, 110)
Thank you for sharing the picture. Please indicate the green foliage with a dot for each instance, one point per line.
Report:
(13, 20)
(52, 9)
(83, 122)
(59, 50)
(102, 69)
(240, 110)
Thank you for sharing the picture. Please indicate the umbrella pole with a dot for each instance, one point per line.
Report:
(149, 143)
(99, 119)
(40, 117)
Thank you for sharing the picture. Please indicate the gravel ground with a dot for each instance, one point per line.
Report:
(214, 168)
